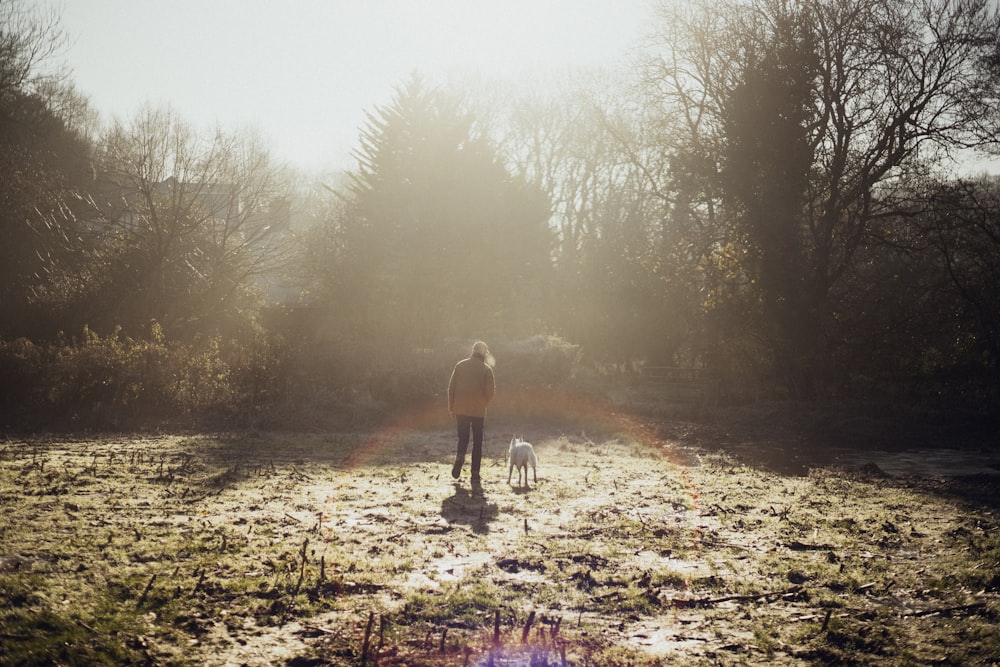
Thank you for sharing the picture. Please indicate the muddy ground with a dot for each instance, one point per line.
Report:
(645, 541)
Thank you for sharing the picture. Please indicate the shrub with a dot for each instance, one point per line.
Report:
(538, 361)
(20, 371)
(107, 382)
(116, 382)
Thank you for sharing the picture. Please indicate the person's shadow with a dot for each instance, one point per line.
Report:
(469, 507)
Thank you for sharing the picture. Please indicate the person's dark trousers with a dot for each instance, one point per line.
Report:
(465, 425)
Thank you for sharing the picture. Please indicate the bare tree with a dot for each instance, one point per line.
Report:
(577, 136)
(43, 159)
(186, 222)
(29, 42)
(963, 226)
(891, 87)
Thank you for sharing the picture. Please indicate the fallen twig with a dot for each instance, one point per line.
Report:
(709, 542)
(302, 571)
(707, 602)
(321, 630)
(527, 627)
(802, 546)
(947, 610)
(366, 643)
(496, 627)
(444, 636)
(201, 579)
(383, 622)
(145, 591)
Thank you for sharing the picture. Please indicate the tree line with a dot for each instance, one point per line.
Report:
(768, 195)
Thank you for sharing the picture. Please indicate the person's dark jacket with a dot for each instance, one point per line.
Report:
(471, 387)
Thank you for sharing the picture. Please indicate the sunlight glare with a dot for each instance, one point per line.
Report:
(305, 72)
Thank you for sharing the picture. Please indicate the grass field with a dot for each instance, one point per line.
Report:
(638, 545)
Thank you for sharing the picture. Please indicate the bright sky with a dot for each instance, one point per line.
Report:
(304, 72)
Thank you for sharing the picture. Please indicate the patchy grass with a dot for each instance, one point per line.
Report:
(346, 549)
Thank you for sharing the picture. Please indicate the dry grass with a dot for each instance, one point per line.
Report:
(349, 549)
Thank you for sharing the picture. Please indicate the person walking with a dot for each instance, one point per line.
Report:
(470, 389)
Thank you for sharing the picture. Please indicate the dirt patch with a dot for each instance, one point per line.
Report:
(346, 549)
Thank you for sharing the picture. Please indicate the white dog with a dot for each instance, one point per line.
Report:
(521, 454)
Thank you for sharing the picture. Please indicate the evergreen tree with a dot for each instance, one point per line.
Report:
(437, 239)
